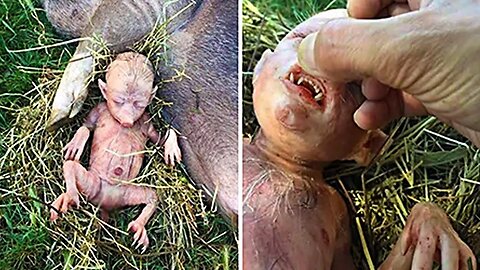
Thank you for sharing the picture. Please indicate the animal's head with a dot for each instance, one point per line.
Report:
(129, 87)
(311, 116)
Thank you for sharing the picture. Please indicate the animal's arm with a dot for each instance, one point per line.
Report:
(169, 141)
(92, 118)
(154, 135)
(74, 149)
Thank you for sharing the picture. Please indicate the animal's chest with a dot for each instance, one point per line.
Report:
(117, 152)
(285, 212)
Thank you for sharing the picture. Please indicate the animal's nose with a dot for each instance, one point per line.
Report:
(127, 124)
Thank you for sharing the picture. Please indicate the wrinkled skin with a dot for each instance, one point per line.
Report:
(292, 218)
(121, 128)
(421, 58)
(205, 101)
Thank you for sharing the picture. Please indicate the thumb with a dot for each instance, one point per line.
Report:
(351, 49)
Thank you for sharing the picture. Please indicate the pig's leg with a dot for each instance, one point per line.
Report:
(77, 179)
(134, 195)
(73, 88)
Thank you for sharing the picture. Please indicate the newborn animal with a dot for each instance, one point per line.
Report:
(292, 218)
(121, 128)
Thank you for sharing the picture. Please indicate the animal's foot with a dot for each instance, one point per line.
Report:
(140, 237)
(73, 89)
(172, 150)
(62, 204)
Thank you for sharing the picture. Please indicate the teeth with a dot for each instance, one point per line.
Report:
(291, 77)
(300, 80)
(319, 96)
(316, 89)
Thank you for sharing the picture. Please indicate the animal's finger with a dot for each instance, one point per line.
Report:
(179, 155)
(53, 215)
(65, 204)
(172, 159)
(78, 153)
(67, 153)
(467, 258)
(425, 250)
(449, 252)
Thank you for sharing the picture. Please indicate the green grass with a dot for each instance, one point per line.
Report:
(426, 160)
(185, 233)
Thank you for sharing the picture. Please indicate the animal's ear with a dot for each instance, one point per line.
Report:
(259, 66)
(103, 88)
(370, 148)
(153, 93)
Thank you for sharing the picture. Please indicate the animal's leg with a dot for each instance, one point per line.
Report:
(70, 17)
(77, 179)
(73, 88)
(135, 195)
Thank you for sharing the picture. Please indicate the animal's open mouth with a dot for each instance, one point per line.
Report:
(308, 86)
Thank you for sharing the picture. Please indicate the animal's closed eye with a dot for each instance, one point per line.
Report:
(139, 105)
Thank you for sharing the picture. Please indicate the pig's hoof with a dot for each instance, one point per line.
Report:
(57, 119)
(140, 236)
(62, 203)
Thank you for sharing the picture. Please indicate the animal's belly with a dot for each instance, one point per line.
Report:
(118, 159)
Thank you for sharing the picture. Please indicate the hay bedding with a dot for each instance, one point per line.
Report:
(424, 160)
(185, 232)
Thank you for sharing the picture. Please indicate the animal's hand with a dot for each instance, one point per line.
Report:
(172, 151)
(140, 237)
(74, 149)
(428, 236)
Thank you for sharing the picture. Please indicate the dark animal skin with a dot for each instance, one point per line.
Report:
(205, 104)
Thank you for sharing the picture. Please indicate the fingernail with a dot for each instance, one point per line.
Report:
(357, 118)
(306, 54)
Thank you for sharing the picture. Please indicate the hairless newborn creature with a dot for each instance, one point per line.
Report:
(292, 218)
(122, 128)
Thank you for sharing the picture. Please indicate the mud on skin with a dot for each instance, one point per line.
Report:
(117, 158)
(292, 218)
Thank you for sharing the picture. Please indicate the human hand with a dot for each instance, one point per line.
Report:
(430, 51)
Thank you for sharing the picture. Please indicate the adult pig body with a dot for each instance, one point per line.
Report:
(206, 103)
(119, 22)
